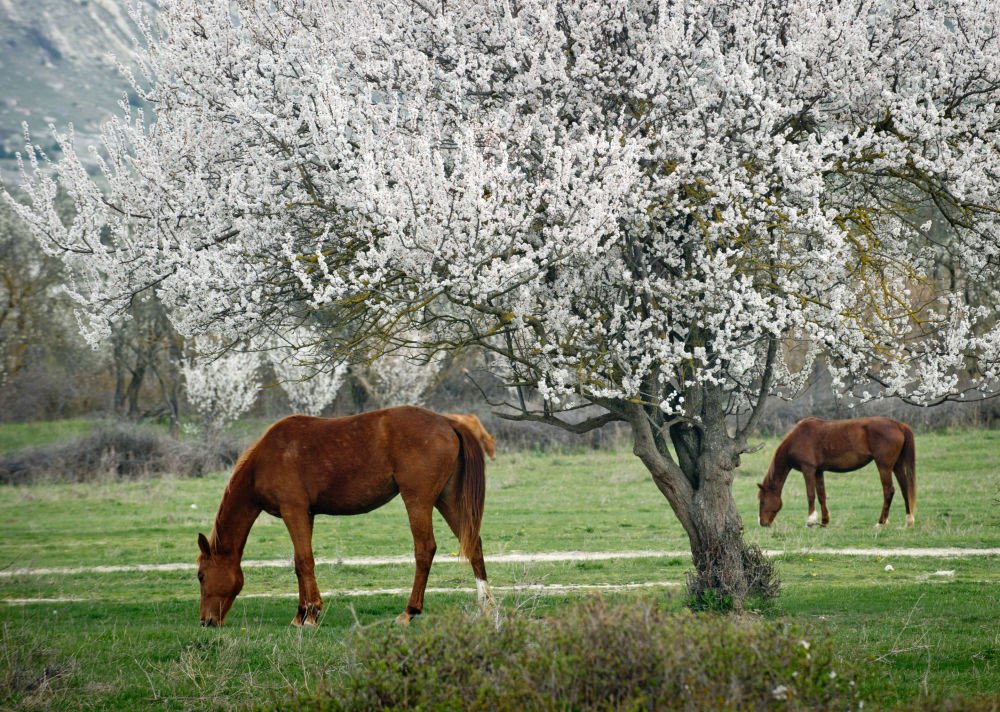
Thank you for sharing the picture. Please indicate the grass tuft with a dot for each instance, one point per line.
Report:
(30, 675)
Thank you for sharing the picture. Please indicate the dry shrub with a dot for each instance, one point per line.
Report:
(591, 656)
(117, 451)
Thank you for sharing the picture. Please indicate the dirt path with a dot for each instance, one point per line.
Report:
(513, 557)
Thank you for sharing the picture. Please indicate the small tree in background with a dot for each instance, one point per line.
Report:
(406, 374)
(308, 380)
(220, 386)
(633, 206)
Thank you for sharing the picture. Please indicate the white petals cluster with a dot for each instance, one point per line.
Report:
(625, 200)
(304, 372)
(220, 386)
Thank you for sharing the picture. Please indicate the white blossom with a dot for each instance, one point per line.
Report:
(220, 386)
(309, 380)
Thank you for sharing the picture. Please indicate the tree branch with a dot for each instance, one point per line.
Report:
(584, 426)
(765, 388)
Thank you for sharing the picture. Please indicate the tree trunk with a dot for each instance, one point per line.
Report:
(722, 561)
(133, 390)
(726, 570)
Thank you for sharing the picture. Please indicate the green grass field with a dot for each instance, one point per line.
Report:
(130, 639)
(17, 436)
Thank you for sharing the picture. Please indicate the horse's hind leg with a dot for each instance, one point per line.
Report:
(299, 522)
(821, 495)
(449, 509)
(424, 546)
(904, 488)
(885, 473)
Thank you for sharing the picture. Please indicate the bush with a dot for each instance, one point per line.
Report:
(117, 451)
(590, 656)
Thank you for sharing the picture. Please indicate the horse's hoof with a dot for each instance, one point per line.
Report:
(403, 618)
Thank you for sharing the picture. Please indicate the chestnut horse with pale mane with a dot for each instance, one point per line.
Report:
(304, 466)
(814, 446)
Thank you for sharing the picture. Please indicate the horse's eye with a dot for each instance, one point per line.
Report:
(201, 577)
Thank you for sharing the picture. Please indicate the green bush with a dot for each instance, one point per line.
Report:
(590, 657)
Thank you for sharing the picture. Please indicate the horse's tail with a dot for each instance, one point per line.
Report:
(472, 483)
(908, 460)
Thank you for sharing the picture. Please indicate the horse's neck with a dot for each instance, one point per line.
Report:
(777, 473)
(236, 515)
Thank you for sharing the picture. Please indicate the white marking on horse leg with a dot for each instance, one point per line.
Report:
(909, 520)
(487, 603)
(812, 519)
(484, 594)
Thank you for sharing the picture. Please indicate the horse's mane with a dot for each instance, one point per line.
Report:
(238, 481)
(769, 478)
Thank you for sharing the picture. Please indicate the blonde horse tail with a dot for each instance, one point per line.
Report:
(908, 458)
(473, 489)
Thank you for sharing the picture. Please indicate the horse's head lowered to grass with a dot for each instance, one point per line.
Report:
(770, 503)
(221, 579)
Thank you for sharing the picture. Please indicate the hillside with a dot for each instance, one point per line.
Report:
(56, 67)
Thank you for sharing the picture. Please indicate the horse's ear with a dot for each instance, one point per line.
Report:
(203, 545)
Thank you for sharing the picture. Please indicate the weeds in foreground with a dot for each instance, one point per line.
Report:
(590, 656)
(32, 677)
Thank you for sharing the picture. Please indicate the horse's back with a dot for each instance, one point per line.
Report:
(844, 445)
(353, 464)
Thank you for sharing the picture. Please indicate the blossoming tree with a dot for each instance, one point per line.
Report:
(637, 208)
(221, 387)
(308, 378)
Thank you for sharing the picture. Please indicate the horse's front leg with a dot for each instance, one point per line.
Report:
(299, 522)
(809, 475)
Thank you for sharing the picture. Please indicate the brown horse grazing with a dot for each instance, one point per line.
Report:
(478, 431)
(304, 466)
(815, 446)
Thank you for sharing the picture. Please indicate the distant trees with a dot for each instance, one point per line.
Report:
(46, 369)
(29, 300)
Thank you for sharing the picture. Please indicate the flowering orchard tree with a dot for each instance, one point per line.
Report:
(309, 379)
(221, 387)
(637, 207)
(406, 374)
